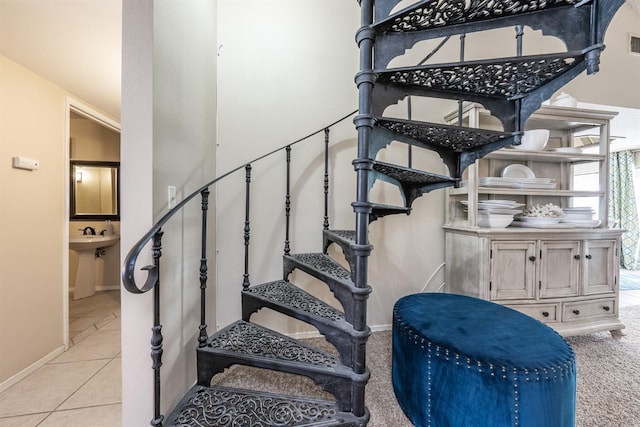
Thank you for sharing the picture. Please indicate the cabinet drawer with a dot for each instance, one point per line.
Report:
(546, 313)
(583, 310)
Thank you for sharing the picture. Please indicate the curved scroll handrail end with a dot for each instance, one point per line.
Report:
(129, 267)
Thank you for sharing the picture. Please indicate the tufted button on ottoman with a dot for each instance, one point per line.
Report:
(464, 362)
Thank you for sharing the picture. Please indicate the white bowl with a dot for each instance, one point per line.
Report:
(494, 220)
(534, 140)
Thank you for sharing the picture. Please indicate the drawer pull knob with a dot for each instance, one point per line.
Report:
(576, 256)
(588, 256)
(576, 312)
(606, 308)
(545, 313)
(532, 258)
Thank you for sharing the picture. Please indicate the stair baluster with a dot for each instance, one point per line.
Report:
(202, 337)
(247, 228)
(287, 203)
(326, 179)
(156, 335)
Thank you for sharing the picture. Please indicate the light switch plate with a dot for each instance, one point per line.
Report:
(25, 163)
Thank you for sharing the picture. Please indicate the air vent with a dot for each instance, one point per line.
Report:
(634, 44)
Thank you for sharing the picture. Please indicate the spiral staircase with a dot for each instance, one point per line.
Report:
(511, 88)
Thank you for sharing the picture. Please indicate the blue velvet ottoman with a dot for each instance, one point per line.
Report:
(464, 362)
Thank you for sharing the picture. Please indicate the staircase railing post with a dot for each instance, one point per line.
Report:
(202, 338)
(156, 337)
(462, 54)
(593, 57)
(362, 206)
(247, 229)
(409, 146)
(287, 203)
(326, 179)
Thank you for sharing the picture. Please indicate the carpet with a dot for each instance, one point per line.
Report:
(608, 392)
(629, 280)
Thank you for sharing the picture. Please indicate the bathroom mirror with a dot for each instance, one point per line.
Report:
(95, 190)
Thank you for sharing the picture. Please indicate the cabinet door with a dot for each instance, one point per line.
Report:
(512, 270)
(600, 271)
(559, 268)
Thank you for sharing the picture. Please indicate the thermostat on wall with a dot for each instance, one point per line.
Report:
(25, 163)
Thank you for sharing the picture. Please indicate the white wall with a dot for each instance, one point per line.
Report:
(617, 82)
(168, 132)
(136, 168)
(275, 78)
(279, 79)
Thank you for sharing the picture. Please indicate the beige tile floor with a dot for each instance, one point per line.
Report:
(82, 387)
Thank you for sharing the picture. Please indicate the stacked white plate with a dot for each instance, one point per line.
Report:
(580, 216)
(533, 183)
(517, 176)
(496, 213)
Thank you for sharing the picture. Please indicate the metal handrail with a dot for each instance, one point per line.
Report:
(129, 265)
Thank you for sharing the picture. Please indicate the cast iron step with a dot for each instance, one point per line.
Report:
(502, 78)
(343, 238)
(288, 299)
(413, 183)
(346, 239)
(230, 407)
(510, 88)
(458, 146)
(337, 278)
(584, 22)
(437, 136)
(379, 210)
(429, 14)
(248, 344)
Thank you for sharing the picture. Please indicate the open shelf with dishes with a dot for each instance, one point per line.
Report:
(562, 271)
(549, 175)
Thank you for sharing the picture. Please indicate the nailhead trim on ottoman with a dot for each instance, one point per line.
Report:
(465, 362)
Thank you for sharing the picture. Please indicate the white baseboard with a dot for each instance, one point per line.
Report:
(107, 288)
(98, 288)
(29, 369)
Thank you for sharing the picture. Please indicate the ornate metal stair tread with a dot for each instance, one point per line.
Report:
(345, 236)
(440, 136)
(254, 345)
(427, 14)
(290, 300)
(337, 279)
(228, 407)
(346, 239)
(245, 343)
(294, 300)
(379, 210)
(246, 339)
(324, 266)
(501, 78)
(412, 177)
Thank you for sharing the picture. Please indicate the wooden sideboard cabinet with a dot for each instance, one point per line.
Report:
(565, 277)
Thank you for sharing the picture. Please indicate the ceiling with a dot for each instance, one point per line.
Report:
(75, 44)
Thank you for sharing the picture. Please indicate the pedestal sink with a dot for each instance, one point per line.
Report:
(85, 246)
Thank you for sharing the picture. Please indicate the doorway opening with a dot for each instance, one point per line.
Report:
(89, 136)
